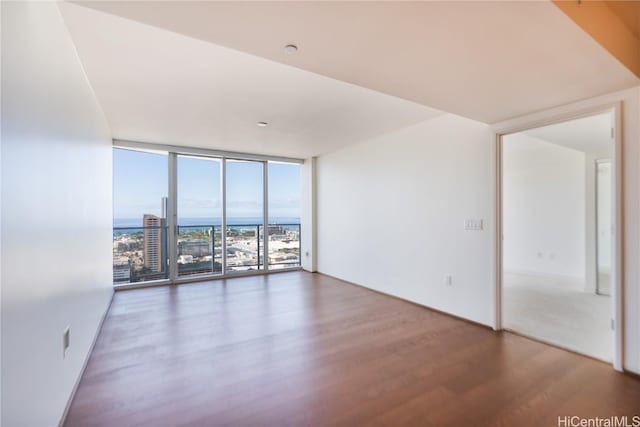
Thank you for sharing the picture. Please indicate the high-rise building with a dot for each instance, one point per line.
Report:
(121, 270)
(153, 253)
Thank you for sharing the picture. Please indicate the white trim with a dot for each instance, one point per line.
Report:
(265, 220)
(203, 278)
(559, 115)
(143, 284)
(148, 146)
(497, 226)
(172, 217)
(595, 165)
(223, 224)
(617, 270)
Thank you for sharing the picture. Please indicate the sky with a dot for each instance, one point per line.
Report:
(140, 181)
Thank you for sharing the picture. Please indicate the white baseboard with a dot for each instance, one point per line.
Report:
(86, 361)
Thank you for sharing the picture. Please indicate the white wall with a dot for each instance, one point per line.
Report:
(590, 223)
(544, 209)
(56, 214)
(391, 215)
(604, 218)
(308, 220)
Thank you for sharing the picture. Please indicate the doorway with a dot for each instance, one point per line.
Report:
(557, 240)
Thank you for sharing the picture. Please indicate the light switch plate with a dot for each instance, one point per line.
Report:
(473, 224)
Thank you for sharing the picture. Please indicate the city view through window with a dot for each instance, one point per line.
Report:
(141, 224)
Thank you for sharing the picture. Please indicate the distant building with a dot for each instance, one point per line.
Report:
(195, 248)
(153, 245)
(277, 230)
(127, 245)
(185, 259)
(121, 270)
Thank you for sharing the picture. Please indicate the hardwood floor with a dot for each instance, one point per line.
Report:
(296, 348)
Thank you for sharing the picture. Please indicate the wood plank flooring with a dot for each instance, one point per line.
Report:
(301, 349)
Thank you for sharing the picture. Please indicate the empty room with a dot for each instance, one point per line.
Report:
(320, 213)
(557, 212)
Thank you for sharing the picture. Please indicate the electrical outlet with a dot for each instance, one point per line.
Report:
(66, 341)
(448, 280)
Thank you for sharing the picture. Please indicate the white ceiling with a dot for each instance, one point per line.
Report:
(589, 134)
(159, 86)
(486, 60)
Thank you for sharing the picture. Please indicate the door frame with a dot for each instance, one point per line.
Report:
(559, 115)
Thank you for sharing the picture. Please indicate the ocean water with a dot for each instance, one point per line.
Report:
(248, 221)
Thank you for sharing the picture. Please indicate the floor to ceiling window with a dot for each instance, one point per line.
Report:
(199, 215)
(245, 215)
(181, 216)
(139, 216)
(284, 215)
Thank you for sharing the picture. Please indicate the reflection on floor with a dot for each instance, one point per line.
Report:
(558, 313)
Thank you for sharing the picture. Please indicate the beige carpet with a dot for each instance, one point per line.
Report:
(554, 311)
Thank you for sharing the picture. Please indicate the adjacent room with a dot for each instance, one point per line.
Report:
(557, 227)
(309, 213)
